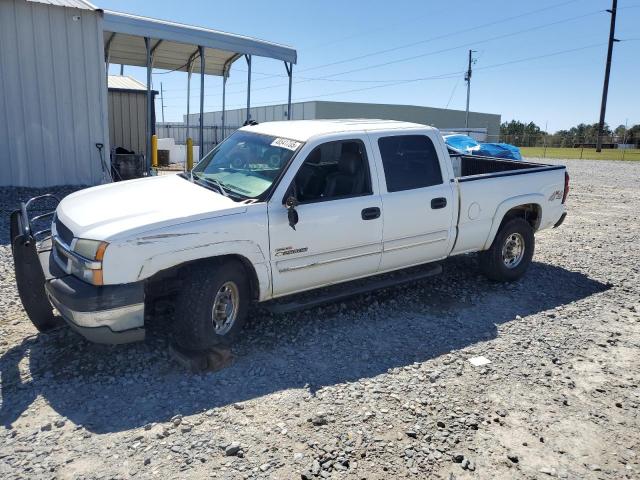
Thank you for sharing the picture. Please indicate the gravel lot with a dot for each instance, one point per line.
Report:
(378, 387)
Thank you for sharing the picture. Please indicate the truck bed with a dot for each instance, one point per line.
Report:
(471, 167)
(485, 183)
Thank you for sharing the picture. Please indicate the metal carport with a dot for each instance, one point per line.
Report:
(151, 43)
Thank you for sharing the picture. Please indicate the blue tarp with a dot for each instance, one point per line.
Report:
(466, 144)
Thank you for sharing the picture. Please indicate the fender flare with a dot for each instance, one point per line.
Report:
(505, 206)
(246, 249)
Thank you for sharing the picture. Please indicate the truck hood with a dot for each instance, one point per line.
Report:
(125, 209)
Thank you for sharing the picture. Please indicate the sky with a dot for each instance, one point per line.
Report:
(539, 61)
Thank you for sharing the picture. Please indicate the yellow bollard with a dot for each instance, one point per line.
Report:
(154, 151)
(189, 154)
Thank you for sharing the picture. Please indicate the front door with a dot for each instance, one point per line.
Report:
(339, 231)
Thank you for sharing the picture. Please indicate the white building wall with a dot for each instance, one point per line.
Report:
(269, 113)
(438, 117)
(53, 95)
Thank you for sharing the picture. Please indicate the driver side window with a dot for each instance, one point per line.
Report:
(333, 170)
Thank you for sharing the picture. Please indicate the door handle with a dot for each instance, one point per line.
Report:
(370, 213)
(439, 202)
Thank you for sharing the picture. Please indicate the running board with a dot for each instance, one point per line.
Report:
(343, 291)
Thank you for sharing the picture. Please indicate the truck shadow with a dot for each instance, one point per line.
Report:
(117, 388)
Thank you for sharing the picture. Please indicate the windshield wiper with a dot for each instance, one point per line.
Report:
(216, 183)
(219, 184)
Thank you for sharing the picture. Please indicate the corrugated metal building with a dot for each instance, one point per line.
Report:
(437, 117)
(128, 113)
(52, 93)
(53, 89)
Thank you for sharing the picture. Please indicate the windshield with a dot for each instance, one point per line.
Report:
(246, 164)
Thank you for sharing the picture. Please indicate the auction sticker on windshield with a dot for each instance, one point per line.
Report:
(285, 143)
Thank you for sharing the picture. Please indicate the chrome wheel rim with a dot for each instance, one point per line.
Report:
(225, 308)
(513, 250)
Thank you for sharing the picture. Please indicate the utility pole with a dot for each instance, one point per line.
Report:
(467, 78)
(605, 89)
(162, 101)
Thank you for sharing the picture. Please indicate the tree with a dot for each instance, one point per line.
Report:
(633, 134)
(520, 133)
(515, 127)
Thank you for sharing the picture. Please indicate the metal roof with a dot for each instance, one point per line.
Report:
(67, 3)
(174, 44)
(124, 82)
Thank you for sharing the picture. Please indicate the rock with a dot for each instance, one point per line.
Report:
(46, 427)
(513, 457)
(60, 423)
(411, 433)
(264, 467)
(232, 449)
(176, 420)
(319, 419)
(457, 457)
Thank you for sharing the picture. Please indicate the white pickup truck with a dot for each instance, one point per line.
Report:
(277, 209)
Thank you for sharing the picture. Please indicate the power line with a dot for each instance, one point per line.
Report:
(436, 52)
(436, 77)
(449, 34)
(440, 37)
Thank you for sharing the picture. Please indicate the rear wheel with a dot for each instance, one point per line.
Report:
(510, 253)
(212, 306)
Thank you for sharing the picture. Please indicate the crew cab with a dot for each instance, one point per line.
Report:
(277, 209)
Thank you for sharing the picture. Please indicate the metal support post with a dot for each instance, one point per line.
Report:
(224, 97)
(147, 43)
(248, 58)
(201, 127)
(289, 67)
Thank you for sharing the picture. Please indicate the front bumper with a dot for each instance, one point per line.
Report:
(103, 314)
(110, 314)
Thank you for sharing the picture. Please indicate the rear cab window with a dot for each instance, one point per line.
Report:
(409, 162)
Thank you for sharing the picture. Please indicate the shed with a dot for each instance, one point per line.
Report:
(52, 93)
(127, 99)
(54, 108)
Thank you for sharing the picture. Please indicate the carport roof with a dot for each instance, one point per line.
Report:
(175, 44)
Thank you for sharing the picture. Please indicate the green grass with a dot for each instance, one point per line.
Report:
(586, 153)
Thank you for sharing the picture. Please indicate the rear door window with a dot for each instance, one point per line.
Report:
(409, 162)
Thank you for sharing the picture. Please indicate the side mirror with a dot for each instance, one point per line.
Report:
(292, 214)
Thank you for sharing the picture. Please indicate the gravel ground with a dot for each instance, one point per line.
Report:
(378, 387)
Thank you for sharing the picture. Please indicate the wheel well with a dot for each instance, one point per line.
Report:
(167, 282)
(531, 213)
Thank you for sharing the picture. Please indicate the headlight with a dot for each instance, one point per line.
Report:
(90, 249)
(93, 251)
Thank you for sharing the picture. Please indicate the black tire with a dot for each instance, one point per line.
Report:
(194, 326)
(492, 261)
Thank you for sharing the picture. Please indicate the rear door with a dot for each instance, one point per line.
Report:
(417, 199)
(339, 231)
